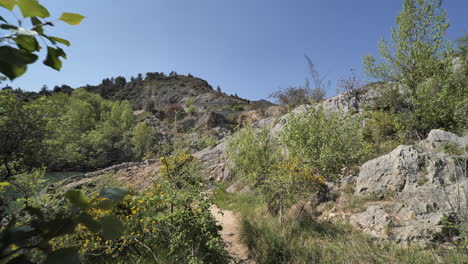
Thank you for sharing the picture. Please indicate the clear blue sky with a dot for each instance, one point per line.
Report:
(249, 47)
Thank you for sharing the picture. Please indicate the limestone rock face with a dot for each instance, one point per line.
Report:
(347, 102)
(415, 187)
(389, 173)
(214, 160)
(438, 137)
(351, 101)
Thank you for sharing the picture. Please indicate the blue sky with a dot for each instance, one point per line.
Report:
(248, 47)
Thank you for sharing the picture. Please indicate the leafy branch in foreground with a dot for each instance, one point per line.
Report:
(19, 39)
(31, 239)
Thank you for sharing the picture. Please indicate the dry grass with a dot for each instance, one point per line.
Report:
(307, 240)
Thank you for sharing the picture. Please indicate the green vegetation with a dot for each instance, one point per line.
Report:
(30, 240)
(423, 82)
(424, 86)
(77, 131)
(328, 142)
(207, 141)
(26, 42)
(143, 139)
(170, 222)
(306, 240)
(258, 160)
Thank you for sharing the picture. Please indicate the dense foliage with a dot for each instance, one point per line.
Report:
(21, 135)
(258, 160)
(77, 131)
(425, 79)
(328, 142)
(157, 227)
(169, 222)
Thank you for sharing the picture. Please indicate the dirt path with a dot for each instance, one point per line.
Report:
(231, 235)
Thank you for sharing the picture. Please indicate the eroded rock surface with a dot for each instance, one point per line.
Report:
(214, 160)
(416, 187)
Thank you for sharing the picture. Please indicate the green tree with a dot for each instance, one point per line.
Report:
(19, 40)
(22, 131)
(110, 141)
(143, 139)
(418, 44)
(69, 121)
(463, 44)
(424, 80)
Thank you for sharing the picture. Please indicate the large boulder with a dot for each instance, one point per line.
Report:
(415, 188)
(214, 159)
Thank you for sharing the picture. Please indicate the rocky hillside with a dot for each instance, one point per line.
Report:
(178, 103)
(405, 195)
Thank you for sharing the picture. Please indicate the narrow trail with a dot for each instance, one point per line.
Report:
(231, 235)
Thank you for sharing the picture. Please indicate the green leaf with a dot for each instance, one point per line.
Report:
(64, 255)
(8, 4)
(13, 62)
(89, 222)
(30, 8)
(77, 198)
(4, 184)
(5, 26)
(116, 195)
(37, 25)
(52, 60)
(27, 43)
(111, 227)
(60, 40)
(106, 204)
(71, 18)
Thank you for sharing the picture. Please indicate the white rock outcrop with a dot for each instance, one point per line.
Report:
(416, 187)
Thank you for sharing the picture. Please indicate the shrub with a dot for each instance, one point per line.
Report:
(292, 96)
(207, 141)
(152, 230)
(253, 154)
(180, 170)
(170, 222)
(258, 160)
(143, 140)
(189, 102)
(191, 110)
(381, 129)
(421, 68)
(33, 238)
(328, 142)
